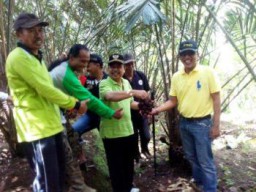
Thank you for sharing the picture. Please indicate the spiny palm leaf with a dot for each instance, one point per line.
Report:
(147, 10)
(233, 43)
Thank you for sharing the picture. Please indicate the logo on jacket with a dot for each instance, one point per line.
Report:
(198, 85)
(140, 82)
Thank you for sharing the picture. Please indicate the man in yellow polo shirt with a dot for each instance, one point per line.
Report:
(196, 91)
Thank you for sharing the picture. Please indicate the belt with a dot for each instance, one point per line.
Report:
(196, 118)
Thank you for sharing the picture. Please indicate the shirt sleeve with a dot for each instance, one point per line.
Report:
(37, 79)
(3, 96)
(173, 91)
(76, 89)
(214, 81)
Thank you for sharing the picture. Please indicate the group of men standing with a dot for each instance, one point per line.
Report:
(113, 105)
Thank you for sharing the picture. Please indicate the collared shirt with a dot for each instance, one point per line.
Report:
(39, 57)
(114, 128)
(193, 91)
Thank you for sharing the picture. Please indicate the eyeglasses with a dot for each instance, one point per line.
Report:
(189, 53)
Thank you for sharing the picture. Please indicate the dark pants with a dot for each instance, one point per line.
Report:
(46, 158)
(120, 156)
(141, 128)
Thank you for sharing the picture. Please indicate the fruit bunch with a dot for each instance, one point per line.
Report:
(145, 106)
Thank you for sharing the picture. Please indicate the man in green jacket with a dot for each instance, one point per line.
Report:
(64, 77)
(36, 105)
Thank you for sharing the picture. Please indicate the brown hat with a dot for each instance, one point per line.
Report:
(128, 58)
(28, 20)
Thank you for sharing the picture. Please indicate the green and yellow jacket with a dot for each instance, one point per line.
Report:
(36, 100)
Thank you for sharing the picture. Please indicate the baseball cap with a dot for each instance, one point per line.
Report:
(128, 58)
(96, 58)
(116, 58)
(188, 45)
(28, 20)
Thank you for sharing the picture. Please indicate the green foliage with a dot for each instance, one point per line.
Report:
(147, 10)
(228, 176)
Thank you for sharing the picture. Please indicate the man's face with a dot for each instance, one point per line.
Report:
(32, 37)
(129, 67)
(116, 71)
(189, 60)
(80, 62)
(93, 68)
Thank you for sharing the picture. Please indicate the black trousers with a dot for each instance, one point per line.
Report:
(46, 157)
(120, 158)
(141, 129)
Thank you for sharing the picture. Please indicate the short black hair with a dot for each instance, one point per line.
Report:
(75, 50)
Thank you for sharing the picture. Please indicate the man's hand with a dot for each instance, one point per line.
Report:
(118, 113)
(140, 94)
(154, 111)
(215, 132)
(83, 106)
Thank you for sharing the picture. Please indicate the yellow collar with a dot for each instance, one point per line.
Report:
(197, 68)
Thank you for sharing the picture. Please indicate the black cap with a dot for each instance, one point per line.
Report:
(188, 45)
(128, 58)
(116, 58)
(96, 59)
(28, 20)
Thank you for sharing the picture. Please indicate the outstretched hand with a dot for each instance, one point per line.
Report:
(118, 113)
(83, 106)
(140, 94)
(154, 111)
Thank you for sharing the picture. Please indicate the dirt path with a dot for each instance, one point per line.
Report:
(235, 153)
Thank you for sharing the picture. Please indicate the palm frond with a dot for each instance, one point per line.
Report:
(146, 10)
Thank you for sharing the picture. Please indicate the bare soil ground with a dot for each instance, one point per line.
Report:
(235, 153)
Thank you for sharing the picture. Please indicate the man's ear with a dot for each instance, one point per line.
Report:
(18, 32)
(70, 59)
(198, 57)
